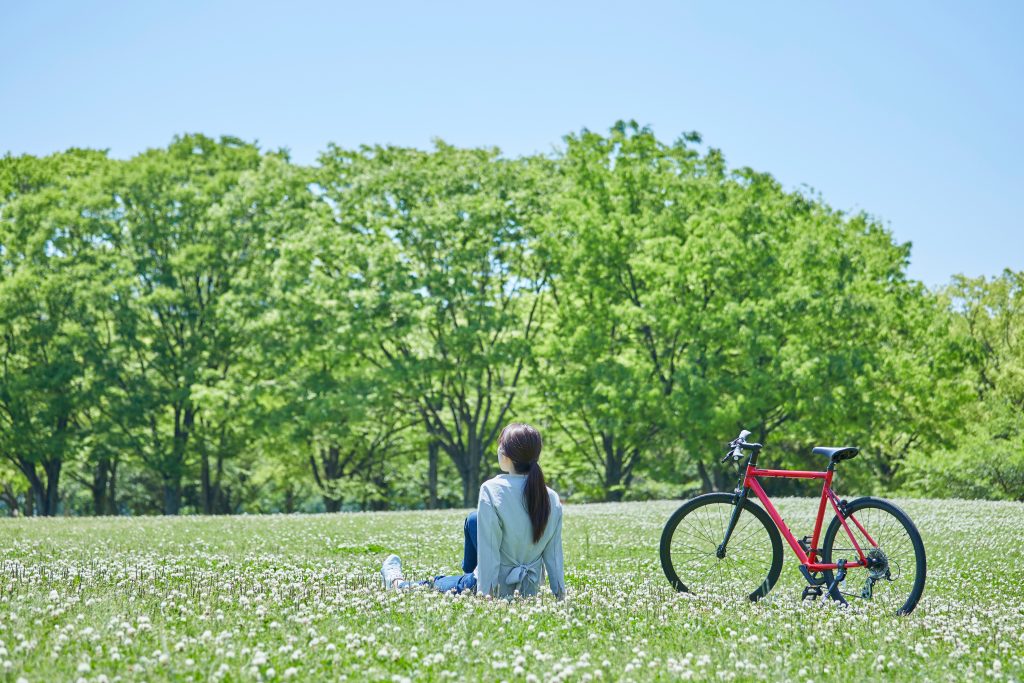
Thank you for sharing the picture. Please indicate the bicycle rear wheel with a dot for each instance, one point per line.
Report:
(690, 541)
(895, 582)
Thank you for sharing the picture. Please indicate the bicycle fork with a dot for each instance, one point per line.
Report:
(739, 495)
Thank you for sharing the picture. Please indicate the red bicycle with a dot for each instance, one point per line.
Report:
(722, 544)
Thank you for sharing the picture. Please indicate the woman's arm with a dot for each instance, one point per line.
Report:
(553, 555)
(488, 544)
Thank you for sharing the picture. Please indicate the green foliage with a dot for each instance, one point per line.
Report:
(984, 459)
(693, 301)
(50, 254)
(433, 253)
(189, 223)
(208, 327)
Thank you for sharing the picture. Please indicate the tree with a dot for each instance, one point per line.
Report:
(984, 459)
(50, 254)
(189, 225)
(607, 370)
(697, 301)
(442, 283)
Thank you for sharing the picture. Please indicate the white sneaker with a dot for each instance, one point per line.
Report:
(391, 571)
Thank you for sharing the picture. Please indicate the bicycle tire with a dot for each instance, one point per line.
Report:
(912, 542)
(724, 502)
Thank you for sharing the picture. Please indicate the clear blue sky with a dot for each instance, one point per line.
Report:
(912, 111)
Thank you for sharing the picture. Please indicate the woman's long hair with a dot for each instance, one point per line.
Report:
(522, 443)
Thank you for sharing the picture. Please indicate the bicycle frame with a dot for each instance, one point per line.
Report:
(808, 560)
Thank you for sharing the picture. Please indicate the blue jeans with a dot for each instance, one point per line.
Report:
(465, 581)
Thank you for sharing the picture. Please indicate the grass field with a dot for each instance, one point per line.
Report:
(299, 598)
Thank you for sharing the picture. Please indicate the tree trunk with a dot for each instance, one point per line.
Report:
(471, 475)
(221, 502)
(211, 491)
(99, 488)
(204, 484)
(52, 468)
(45, 494)
(111, 497)
(705, 481)
(38, 490)
(723, 479)
(330, 458)
(613, 490)
(184, 418)
(378, 503)
(172, 495)
(432, 451)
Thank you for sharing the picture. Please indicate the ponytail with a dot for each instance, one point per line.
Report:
(537, 503)
(522, 444)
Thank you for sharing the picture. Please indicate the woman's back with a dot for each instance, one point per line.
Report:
(515, 533)
(509, 559)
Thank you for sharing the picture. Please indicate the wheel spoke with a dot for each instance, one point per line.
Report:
(896, 547)
(693, 545)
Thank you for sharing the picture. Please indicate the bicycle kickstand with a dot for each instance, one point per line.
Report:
(833, 589)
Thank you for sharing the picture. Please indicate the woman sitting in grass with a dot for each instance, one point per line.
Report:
(515, 531)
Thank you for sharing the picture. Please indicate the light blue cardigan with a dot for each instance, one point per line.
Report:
(507, 558)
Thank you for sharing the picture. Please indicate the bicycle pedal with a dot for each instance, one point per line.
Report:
(814, 592)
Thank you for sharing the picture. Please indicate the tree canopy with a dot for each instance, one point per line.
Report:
(210, 327)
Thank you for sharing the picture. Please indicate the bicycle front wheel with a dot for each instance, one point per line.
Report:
(895, 580)
(690, 542)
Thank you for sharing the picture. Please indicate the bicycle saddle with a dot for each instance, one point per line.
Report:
(841, 453)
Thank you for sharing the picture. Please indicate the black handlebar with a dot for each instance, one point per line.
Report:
(740, 444)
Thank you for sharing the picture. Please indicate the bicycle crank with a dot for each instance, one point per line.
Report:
(833, 589)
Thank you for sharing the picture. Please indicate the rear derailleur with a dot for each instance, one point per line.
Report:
(878, 569)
